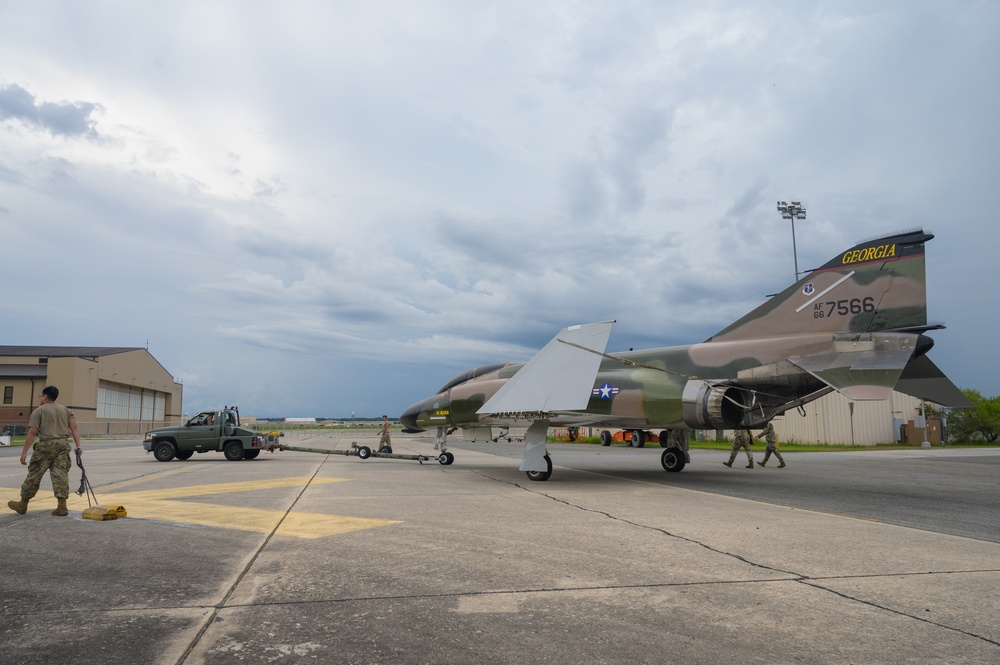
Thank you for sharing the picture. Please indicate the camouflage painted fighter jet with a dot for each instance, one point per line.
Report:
(855, 325)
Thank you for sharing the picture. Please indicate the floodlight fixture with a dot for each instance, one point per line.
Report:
(793, 210)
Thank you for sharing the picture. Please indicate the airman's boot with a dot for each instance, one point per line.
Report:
(781, 466)
(761, 463)
(19, 507)
(61, 510)
(729, 464)
(750, 465)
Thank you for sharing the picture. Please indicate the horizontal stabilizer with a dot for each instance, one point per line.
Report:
(923, 379)
(865, 374)
(559, 378)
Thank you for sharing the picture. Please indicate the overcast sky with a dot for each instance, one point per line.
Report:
(319, 208)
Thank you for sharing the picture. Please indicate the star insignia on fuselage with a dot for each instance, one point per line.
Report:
(605, 391)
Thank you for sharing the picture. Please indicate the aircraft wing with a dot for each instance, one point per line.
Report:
(560, 377)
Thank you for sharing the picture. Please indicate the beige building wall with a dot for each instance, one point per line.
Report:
(80, 378)
(77, 383)
(18, 410)
(140, 370)
(829, 420)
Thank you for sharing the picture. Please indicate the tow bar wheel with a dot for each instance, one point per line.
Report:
(446, 458)
(364, 452)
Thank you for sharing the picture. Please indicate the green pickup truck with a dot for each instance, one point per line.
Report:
(209, 431)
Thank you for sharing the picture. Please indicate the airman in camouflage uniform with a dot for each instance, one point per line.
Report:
(772, 446)
(741, 440)
(384, 442)
(53, 424)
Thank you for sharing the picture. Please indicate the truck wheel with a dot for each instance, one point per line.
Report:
(233, 451)
(251, 454)
(184, 454)
(164, 451)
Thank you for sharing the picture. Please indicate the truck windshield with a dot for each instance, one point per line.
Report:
(204, 418)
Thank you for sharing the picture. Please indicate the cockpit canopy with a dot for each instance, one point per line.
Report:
(469, 375)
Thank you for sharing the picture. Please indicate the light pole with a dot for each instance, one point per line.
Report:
(793, 210)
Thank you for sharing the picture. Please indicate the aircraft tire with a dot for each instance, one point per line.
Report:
(446, 459)
(233, 451)
(541, 475)
(364, 452)
(164, 451)
(673, 459)
(664, 438)
(605, 437)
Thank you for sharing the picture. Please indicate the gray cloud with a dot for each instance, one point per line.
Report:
(336, 207)
(71, 119)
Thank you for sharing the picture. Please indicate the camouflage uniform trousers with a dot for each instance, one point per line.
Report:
(384, 441)
(772, 449)
(51, 456)
(741, 441)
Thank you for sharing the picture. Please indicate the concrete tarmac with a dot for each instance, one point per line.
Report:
(305, 558)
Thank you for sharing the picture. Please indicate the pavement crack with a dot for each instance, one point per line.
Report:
(222, 604)
(660, 530)
(813, 584)
(805, 580)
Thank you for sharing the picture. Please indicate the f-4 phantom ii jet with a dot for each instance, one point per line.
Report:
(856, 325)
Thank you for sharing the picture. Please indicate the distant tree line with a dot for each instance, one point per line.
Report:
(980, 421)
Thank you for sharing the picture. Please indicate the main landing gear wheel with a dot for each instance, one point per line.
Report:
(638, 439)
(673, 459)
(364, 452)
(541, 475)
(605, 437)
(233, 451)
(164, 451)
(446, 458)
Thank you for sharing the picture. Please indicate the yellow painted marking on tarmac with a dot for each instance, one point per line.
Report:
(226, 488)
(162, 505)
(142, 479)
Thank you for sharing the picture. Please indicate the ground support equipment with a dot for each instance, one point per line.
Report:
(99, 513)
(364, 452)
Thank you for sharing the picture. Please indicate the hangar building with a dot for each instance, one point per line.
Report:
(111, 390)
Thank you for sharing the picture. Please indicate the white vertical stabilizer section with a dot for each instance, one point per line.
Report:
(559, 378)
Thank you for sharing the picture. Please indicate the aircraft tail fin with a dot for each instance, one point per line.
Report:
(876, 285)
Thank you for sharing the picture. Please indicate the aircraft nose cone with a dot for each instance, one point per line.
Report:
(409, 418)
(430, 412)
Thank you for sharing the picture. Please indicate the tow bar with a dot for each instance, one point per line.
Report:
(364, 452)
